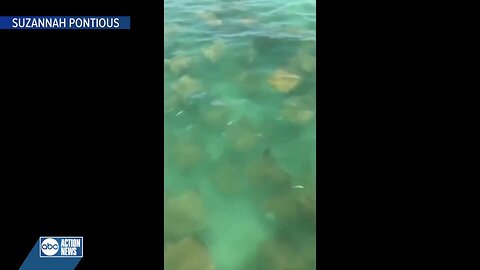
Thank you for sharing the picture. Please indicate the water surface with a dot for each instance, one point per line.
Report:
(240, 118)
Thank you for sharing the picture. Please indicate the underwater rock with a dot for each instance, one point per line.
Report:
(186, 86)
(215, 51)
(283, 81)
(210, 18)
(187, 254)
(184, 216)
(299, 110)
(179, 64)
(242, 135)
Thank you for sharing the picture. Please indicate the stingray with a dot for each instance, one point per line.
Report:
(285, 203)
(299, 110)
(184, 216)
(227, 179)
(283, 81)
(270, 47)
(179, 64)
(304, 62)
(295, 209)
(216, 115)
(279, 254)
(186, 86)
(242, 134)
(172, 102)
(210, 18)
(268, 175)
(188, 254)
(188, 154)
(215, 51)
(248, 22)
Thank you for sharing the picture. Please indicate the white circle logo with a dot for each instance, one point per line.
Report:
(49, 246)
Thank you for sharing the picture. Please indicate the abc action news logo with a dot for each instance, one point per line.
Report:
(61, 247)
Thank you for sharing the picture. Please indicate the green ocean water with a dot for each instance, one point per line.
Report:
(240, 120)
